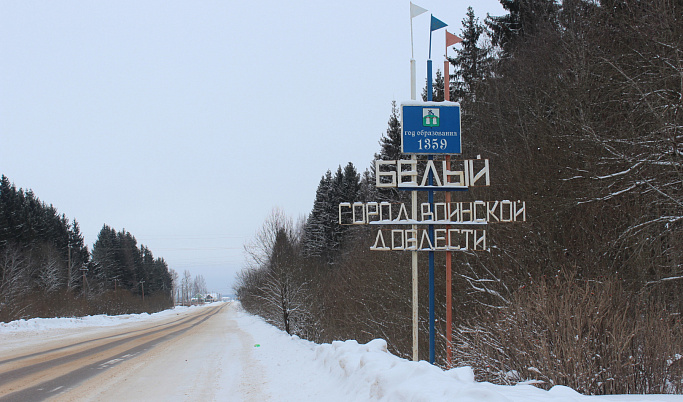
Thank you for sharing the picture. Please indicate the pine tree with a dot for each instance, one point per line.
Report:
(323, 235)
(525, 18)
(367, 190)
(390, 149)
(472, 61)
(78, 255)
(146, 270)
(390, 142)
(345, 186)
(106, 268)
(129, 258)
(350, 185)
(7, 197)
(315, 242)
(161, 279)
(438, 92)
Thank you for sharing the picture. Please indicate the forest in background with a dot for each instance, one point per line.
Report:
(46, 270)
(578, 105)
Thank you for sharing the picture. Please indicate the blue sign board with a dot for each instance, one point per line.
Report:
(430, 128)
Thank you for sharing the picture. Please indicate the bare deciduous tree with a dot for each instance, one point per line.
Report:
(274, 283)
(186, 286)
(13, 281)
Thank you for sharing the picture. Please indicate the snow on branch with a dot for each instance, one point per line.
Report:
(671, 278)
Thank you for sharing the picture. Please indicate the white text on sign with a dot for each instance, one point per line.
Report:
(442, 213)
(419, 240)
(404, 173)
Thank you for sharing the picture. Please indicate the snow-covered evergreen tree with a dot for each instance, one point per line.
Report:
(471, 60)
(390, 143)
(438, 86)
(390, 149)
(314, 238)
(525, 18)
(323, 234)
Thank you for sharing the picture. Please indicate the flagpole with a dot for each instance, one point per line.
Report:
(430, 228)
(430, 200)
(430, 40)
(449, 254)
(414, 12)
(430, 90)
(446, 73)
(413, 200)
(429, 66)
(412, 52)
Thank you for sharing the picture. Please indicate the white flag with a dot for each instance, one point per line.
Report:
(416, 10)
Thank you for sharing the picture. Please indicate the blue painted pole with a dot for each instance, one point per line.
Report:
(432, 318)
(430, 195)
(429, 80)
(430, 39)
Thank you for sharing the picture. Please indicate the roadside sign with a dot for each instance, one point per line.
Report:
(430, 128)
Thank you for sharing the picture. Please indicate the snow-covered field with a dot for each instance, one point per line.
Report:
(280, 367)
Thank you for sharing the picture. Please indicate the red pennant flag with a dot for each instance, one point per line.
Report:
(452, 39)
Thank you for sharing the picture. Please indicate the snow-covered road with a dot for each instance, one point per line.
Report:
(212, 361)
(228, 355)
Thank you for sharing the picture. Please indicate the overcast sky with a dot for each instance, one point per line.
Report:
(187, 122)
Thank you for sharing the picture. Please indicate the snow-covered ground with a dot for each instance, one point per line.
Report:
(280, 367)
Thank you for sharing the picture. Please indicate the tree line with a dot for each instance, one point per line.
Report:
(46, 270)
(578, 105)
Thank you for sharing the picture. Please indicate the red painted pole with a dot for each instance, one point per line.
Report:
(449, 287)
(446, 82)
(449, 277)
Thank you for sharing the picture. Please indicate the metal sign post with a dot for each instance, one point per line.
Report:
(431, 128)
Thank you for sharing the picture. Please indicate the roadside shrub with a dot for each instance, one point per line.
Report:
(590, 335)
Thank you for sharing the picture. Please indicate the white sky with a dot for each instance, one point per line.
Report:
(187, 122)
